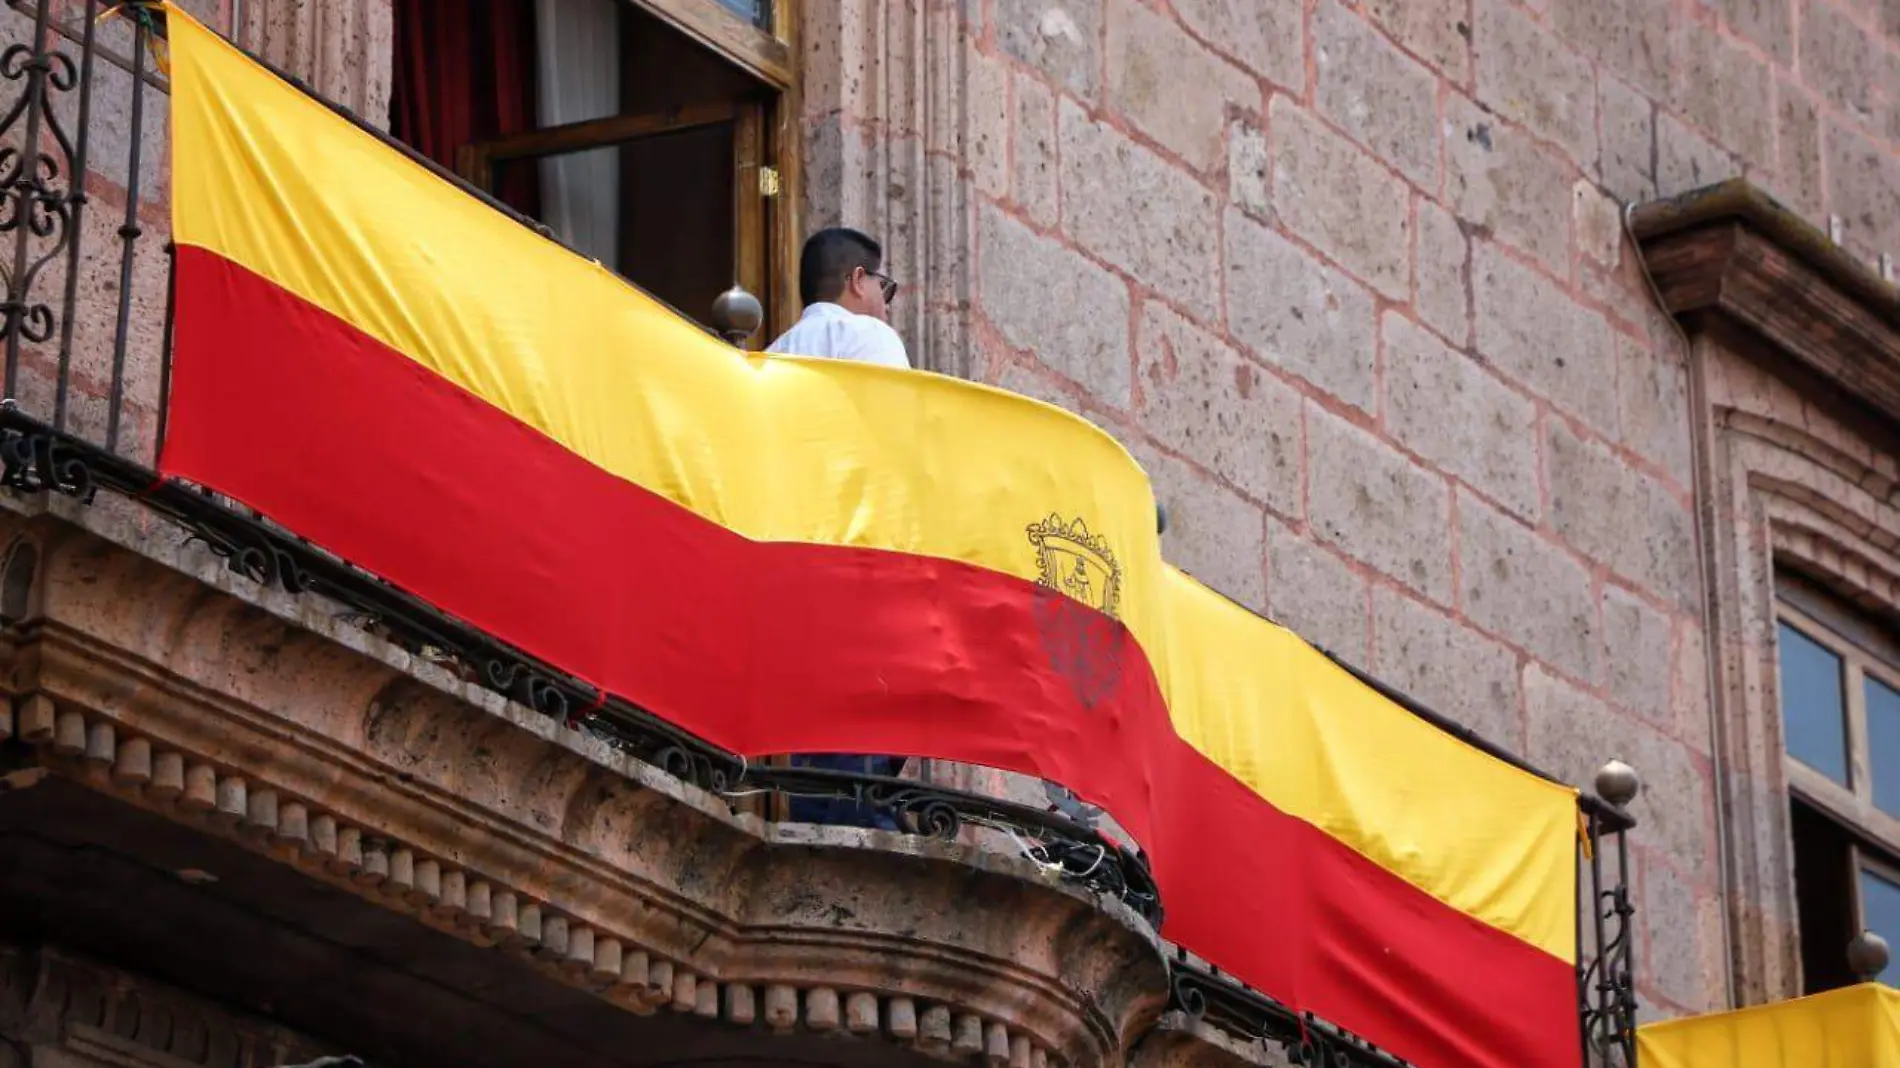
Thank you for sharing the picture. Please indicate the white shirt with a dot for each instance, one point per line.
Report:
(830, 330)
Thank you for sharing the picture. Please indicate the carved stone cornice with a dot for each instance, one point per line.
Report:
(322, 748)
(1731, 253)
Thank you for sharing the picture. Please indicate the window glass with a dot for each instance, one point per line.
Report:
(757, 12)
(1883, 744)
(1813, 714)
(1880, 912)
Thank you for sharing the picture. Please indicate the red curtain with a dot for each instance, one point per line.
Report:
(465, 72)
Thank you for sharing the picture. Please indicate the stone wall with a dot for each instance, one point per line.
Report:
(1349, 278)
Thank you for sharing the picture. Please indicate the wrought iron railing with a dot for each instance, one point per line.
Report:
(85, 320)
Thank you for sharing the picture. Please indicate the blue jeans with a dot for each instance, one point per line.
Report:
(841, 811)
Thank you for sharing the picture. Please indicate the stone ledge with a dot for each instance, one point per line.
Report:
(157, 677)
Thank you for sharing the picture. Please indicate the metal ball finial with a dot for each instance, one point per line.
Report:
(736, 315)
(1618, 783)
(1867, 956)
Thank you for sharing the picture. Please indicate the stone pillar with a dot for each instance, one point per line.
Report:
(344, 49)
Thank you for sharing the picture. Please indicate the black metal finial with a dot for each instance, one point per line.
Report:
(1867, 956)
(1618, 783)
(736, 315)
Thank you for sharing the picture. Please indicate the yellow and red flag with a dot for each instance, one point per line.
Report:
(792, 555)
(1854, 1027)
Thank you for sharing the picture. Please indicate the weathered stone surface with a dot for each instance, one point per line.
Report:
(1597, 221)
(1532, 77)
(1247, 165)
(1850, 75)
(1072, 314)
(1637, 649)
(1167, 243)
(1315, 593)
(1573, 733)
(1268, 36)
(1448, 667)
(1629, 37)
(1864, 189)
(987, 122)
(1619, 515)
(1683, 928)
(1687, 160)
(1062, 38)
(1205, 400)
(1297, 313)
(1341, 200)
(1213, 533)
(1034, 181)
(1768, 23)
(1148, 56)
(1798, 149)
(1653, 392)
(1442, 405)
(1443, 273)
(1435, 30)
(1626, 156)
(1500, 179)
(1724, 90)
(1535, 333)
(1526, 589)
(1380, 96)
(1379, 506)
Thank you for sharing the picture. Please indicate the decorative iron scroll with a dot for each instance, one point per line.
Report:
(1202, 992)
(1606, 983)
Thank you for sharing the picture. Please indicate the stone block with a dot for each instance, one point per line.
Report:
(1626, 154)
(1531, 76)
(1535, 333)
(1639, 653)
(1526, 589)
(1298, 314)
(1378, 505)
(1169, 86)
(1597, 220)
(1437, 31)
(1443, 273)
(1034, 179)
(1724, 90)
(1573, 733)
(987, 122)
(1060, 38)
(1341, 200)
(1247, 167)
(1768, 23)
(1445, 407)
(1267, 36)
(1687, 160)
(1501, 180)
(1167, 244)
(1682, 945)
(1213, 533)
(1798, 149)
(1313, 592)
(1054, 302)
(1864, 189)
(1690, 694)
(1203, 399)
(1448, 667)
(1618, 515)
(1380, 96)
(1653, 402)
(1628, 37)
(1840, 60)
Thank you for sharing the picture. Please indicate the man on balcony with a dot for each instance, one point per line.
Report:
(847, 302)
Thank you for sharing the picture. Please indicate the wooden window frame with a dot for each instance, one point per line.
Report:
(1852, 804)
(767, 229)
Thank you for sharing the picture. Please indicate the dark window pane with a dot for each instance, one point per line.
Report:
(754, 11)
(1812, 711)
(1883, 744)
(1880, 909)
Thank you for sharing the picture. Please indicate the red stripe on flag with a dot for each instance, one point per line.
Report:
(767, 648)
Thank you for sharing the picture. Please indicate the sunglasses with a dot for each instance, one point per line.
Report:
(888, 283)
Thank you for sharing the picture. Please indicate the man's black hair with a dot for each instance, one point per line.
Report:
(830, 258)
